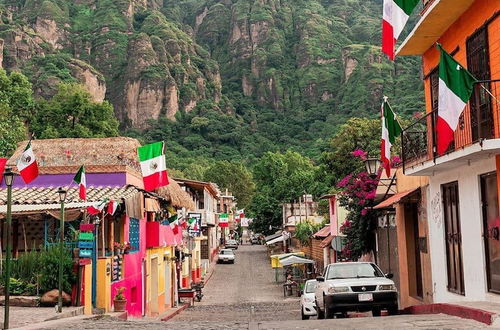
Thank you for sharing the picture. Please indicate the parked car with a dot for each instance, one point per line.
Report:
(355, 286)
(231, 244)
(254, 240)
(226, 255)
(307, 305)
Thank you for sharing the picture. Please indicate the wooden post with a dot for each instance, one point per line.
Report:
(103, 249)
(111, 235)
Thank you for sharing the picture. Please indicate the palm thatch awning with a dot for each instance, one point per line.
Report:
(174, 194)
(67, 155)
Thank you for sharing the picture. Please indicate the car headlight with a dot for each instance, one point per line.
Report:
(338, 289)
(387, 287)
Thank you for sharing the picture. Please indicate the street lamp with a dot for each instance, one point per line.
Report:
(62, 198)
(372, 165)
(9, 179)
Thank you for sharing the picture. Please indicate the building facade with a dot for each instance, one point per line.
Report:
(462, 197)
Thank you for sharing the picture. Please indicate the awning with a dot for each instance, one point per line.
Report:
(326, 242)
(273, 236)
(278, 239)
(394, 199)
(323, 232)
(294, 260)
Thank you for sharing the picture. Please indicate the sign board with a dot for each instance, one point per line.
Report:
(86, 236)
(85, 253)
(245, 222)
(195, 228)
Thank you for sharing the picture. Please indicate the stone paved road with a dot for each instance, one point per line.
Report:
(245, 296)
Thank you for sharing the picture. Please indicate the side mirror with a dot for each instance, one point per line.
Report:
(320, 279)
(389, 275)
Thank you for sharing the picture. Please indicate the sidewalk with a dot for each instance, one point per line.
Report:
(481, 311)
(26, 316)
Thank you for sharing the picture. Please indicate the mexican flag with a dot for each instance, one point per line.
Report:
(27, 165)
(223, 220)
(174, 223)
(96, 208)
(455, 90)
(81, 180)
(153, 167)
(112, 206)
(390, 130)
(395, 16)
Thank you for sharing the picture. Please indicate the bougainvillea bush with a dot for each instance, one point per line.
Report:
(357, 196)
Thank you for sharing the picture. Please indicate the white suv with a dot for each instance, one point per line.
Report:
(355, 286)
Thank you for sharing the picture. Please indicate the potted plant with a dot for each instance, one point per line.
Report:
(120, 302)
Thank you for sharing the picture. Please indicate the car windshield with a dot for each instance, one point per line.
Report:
(311, 287)
(226, 252)
(353, 270)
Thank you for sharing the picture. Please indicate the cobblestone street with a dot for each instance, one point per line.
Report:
(245, 296)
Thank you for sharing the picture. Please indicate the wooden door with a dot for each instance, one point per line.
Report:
(491, 229)
(453, 238)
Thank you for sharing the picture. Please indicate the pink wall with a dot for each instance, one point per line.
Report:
(132, 279)
(333, 215)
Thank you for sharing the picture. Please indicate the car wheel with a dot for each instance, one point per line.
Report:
(393, 310)
(304, 317)
(329, 313)
(376, 312)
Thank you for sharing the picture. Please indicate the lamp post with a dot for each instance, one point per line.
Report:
(62, 198)
(372, 165)
(9, 179)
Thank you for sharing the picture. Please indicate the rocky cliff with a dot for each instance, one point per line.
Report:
(153, 58)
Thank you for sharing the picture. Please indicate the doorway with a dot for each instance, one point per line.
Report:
(491, 229)
(453, 238)
(413, 249)
(154, 286)
(168, 283)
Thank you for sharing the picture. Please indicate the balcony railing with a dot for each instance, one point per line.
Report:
(479, 121)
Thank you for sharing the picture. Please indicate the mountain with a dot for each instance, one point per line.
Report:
(225, 79)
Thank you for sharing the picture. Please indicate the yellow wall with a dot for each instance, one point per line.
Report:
(87, 309)
(103, 284)
(162, 256)
(404, 182)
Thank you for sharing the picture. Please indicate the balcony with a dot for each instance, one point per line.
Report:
(477, 136)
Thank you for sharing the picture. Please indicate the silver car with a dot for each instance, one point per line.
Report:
(355, 286)
(307, 305)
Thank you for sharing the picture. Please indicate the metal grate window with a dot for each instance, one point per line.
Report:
(478, 64)
(134, 234)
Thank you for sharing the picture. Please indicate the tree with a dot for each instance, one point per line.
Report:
(355, 134)
(279, 178)
(233, 176)
(16, 107)
(73, 113)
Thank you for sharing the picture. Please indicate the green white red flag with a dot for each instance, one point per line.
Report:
(390, 130)
(112, 206)
(27, 165)
(3, 163)
(81, 180)
(455, 89)
(153, 166)
(395, 16)
(223, 220)
(96, 207)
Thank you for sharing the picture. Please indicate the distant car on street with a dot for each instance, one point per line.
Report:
(254, 240)
(307, 305)
(226, 255)
(231, 244)
(355, 286)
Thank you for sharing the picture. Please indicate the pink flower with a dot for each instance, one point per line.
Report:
(342, 183)
(363, 212)
(359, 153)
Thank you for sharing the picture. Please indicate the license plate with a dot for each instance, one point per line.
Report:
(225, 259)
(365, 297)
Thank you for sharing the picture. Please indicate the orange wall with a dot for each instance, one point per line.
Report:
(456, 36)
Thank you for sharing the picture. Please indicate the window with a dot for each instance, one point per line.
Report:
(478, 64)
(134, 234)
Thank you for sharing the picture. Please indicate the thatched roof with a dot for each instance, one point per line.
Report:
(71, 153)
(176, 196)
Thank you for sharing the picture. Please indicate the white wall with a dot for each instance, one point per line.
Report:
(471, 228)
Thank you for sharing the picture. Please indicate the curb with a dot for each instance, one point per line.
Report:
(75, 312)
(171, 315)
(454, 310)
